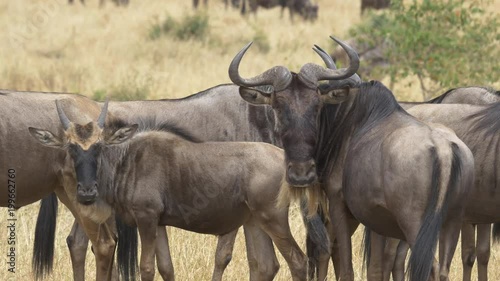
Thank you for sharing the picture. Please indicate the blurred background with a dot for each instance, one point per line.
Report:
(151, 49)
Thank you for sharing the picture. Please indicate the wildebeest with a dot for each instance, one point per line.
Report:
(304, 8)
(395, 252)
(478, 127)
(374, 4)
(216, 114)
(234, 3)
(165, 177)
(101, 2)
(376, 163)
(34, 179)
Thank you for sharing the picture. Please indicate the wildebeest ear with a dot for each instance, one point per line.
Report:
(335, 96)
(45, 137)
(254, 96)
(121, 135)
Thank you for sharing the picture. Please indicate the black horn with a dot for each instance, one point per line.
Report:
(279, 76)
(102, 117)
(312, 73)
(62, 116)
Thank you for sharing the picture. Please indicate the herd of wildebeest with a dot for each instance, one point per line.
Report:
(416, 175)
(305, 8)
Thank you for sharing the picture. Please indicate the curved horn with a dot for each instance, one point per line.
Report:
(325, 56)
(313, 73)
(279, 76)
(62, 116)
(102, 116)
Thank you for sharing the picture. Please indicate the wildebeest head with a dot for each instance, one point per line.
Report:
(297, 101)
(83, 144)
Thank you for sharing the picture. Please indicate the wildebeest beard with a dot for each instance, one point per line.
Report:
(313, 194)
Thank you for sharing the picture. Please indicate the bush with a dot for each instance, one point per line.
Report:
(194, 26)
(261, 41)
(452, 42)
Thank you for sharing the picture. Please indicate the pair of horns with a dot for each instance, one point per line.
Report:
(65, 120)
(280, 77)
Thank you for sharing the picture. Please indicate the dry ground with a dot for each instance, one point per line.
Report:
(50, 46)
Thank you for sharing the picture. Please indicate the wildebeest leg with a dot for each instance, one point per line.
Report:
(147, 226)
(375, 263)
(77, 242)
(339, 217)
(261, 257)
(102, 237)
(291, 6)
(398, 272)
(483, 250)
(468, 250)
(389, 259)
(163, 258)
(448, 239)
(225, 244)
(275, 224)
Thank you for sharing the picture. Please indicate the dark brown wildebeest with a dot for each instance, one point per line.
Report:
(374, 4)
(305, 8)
(35, 180)
(192, 185)
(101, 2)
(355, 141)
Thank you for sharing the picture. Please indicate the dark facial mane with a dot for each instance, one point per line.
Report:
(337, 123)
(487, 121)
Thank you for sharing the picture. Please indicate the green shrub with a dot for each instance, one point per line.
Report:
(194, 26)
(452, 42)
(261, 41)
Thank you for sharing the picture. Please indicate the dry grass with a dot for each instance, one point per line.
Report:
(51, 46)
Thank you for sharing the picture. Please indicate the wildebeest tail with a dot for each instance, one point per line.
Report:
(496, 232)
(422, 256)
(366, 245)
(45, 229)
(317, 240)
(126, 250)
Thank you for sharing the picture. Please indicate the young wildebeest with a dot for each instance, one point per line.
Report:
(35, 179)
(216, 114)
(210, 188)
(398, 176)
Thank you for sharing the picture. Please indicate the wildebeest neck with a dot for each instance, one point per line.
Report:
(340, 122)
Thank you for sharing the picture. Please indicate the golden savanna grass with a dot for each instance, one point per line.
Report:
(48, 45)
